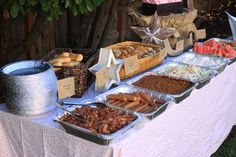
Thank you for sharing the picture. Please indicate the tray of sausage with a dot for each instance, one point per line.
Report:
(102, 125)
(133, 99)
(153, 82)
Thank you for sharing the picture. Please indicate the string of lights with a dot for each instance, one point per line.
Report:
(216, 21)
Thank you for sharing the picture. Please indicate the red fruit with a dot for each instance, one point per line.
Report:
(205, 50)
(214, 51)
(209, 50)
(200, 49)
(220, 52)
(226, 52)
(230, 49)
(196, 47)
(211, 43)
(232, 55)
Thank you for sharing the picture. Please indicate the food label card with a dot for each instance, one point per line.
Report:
(131, 65)
(180, 46)
(163, 52)
(201, 34)
(102, 78)
(189, 40)
(66, 87)
(177, 35)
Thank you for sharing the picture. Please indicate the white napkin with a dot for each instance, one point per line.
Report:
(232, 22)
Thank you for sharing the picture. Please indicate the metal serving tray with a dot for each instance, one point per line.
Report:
(178, 97)
(131, 89)
(213, 62)
(202, 81)
(217, 40)
(102, 139)
(232, 60)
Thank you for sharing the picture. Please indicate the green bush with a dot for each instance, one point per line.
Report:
(52, 8)
(228, 148)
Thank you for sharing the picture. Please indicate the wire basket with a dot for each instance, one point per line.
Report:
(83, 78)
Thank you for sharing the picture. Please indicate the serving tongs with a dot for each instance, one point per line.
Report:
(88, 103)
(73, 114)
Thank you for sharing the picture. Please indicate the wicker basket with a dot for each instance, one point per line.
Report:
(144, 63)
(83, 78)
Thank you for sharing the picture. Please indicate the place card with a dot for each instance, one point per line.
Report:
(176, 35)
(66, 87)
(189, 40)
(201, 34)
(131, 65)
(102, 78)
(179, 47)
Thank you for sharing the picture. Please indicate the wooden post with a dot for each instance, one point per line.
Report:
(190, 4)
(29, 22)
(122, 21)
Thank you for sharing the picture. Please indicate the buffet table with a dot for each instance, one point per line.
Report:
(195, 127)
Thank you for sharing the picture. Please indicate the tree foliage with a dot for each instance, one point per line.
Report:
(52, 8)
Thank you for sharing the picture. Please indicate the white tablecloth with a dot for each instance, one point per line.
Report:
(195, 127)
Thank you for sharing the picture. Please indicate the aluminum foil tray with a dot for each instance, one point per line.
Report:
(131, 89)
(101, 139)
(232, 60)
(214, 62)
(178, 97)
(217, 40)
(192, 73)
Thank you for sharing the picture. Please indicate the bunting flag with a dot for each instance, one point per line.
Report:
(232, 22)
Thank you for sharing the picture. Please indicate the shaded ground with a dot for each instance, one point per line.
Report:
(228, 148)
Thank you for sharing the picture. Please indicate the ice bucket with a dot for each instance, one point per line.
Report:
(31, 87)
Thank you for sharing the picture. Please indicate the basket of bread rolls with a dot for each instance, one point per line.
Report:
(149, 55)
(73, 63)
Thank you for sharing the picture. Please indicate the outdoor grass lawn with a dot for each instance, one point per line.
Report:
(228, 148)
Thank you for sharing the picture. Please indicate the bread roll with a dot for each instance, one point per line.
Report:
(75, 63)
(116, 52)
(142, 49)
(125, 53)
(60, 59)
(65, 54)
(128, 48)
(57, 64)
(70, 64)
(56, 69)
(149, 48)
(132, 53)
(76, 57)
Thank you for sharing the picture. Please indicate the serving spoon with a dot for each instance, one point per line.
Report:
(73, 114)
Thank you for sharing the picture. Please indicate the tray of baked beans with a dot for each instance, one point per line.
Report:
(101, 123)
(156, 83)
(137, 100)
